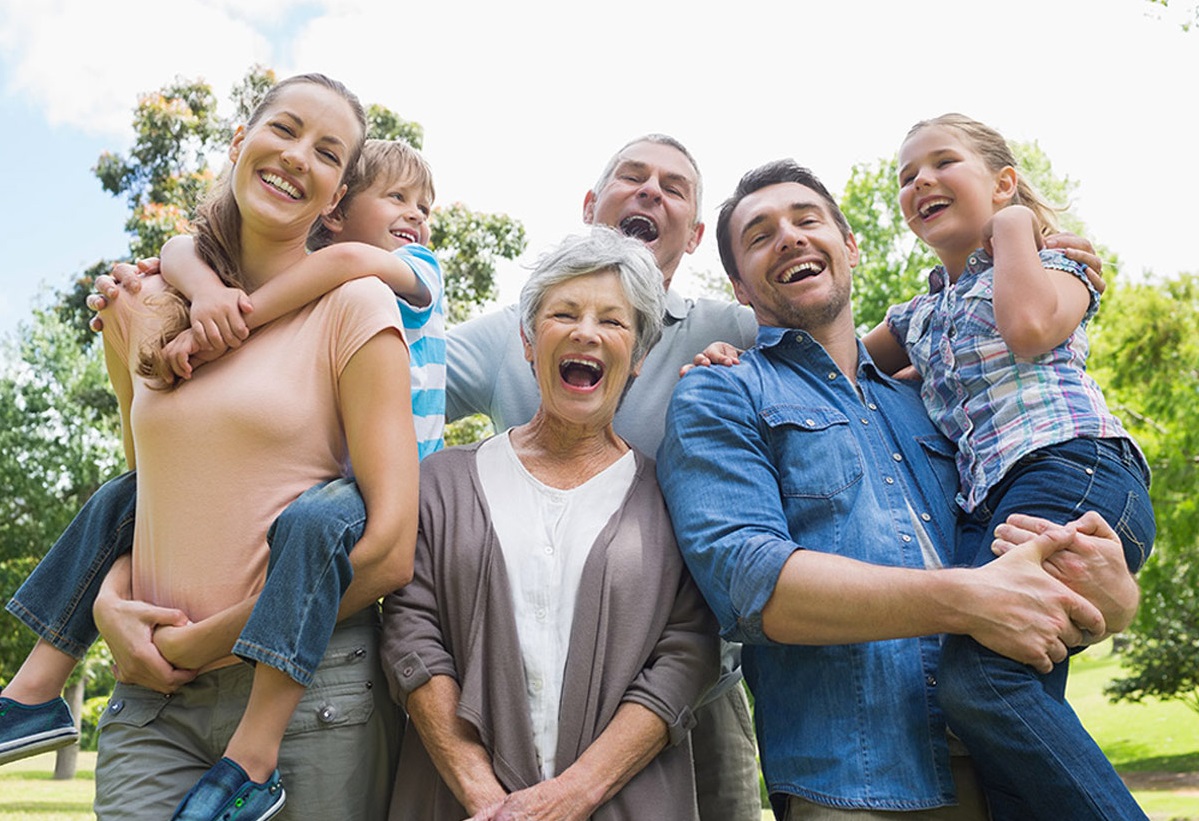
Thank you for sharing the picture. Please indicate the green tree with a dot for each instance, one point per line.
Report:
(894, 263)
(59, 441)
(1145, 353)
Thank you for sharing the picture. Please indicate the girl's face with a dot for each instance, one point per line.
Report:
(288, 165)
(947, 193)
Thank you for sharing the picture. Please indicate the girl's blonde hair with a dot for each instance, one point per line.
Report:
(994, 150)
(217, 230)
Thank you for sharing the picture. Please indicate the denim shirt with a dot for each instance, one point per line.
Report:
(781, 453)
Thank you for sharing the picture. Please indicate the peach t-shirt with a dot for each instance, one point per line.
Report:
(219, 457)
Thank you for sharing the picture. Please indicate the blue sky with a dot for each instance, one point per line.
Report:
(523, 102)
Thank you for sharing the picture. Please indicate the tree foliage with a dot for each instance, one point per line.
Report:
(59, 441)
(1146, 355)
(894, 264)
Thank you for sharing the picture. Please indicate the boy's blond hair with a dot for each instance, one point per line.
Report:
(391, 160)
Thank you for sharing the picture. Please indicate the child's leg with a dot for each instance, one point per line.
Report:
(1035, 758)
(56, 603)
(289, 628)
(309, 572)
(56, 600)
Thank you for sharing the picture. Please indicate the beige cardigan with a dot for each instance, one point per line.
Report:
(641, 633)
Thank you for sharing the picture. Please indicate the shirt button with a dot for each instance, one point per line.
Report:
(549, 550)
(865, 421)
(906, 537)
(117, 706)
(926, 517)
(889, 480)
(896, 457)
(832, 375)
(811, 423)
(540, 613)
(327, 713)
(872, 406)
(1090, 472)
(931, 681)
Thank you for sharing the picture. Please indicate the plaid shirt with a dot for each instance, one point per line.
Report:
(995, 406)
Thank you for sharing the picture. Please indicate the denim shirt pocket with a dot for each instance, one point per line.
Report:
(815, 451)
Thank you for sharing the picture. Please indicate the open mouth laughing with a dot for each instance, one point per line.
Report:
(800, 271)
(579, 372)
(405, 235)
(639, 227)
(933, 206)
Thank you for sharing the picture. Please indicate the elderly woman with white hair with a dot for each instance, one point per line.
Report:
(551, 645)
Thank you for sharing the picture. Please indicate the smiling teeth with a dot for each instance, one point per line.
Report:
(582, 363)
(408, 235)
(283, 185)
(927, 207)
(800, 271)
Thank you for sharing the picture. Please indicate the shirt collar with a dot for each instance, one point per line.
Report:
(771, 337)
(978, 262)
(677, 307)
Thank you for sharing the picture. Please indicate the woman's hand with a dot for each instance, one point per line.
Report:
(128, 627)
(547, 801)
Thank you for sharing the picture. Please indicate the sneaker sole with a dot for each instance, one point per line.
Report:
(276, 808)
(43, 743)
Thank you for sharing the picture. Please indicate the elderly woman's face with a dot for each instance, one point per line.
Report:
(583, 348)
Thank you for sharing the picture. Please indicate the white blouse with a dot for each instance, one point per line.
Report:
(546, 535)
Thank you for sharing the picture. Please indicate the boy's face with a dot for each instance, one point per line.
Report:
(389, 214)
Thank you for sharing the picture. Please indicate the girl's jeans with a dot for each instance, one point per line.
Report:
(1034, 757)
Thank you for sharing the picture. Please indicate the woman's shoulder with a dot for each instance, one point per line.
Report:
(366, 300)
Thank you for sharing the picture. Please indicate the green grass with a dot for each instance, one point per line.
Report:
(1154, 737)
(29, 793)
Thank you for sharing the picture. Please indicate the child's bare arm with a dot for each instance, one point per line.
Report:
(885, 350)
(216, 310)
(324, 270)
(1036, 309)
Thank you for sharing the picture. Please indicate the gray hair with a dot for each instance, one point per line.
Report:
(660, 139)
(604, 249)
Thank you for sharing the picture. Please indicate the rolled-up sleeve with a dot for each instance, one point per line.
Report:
(684, 663)
(413, 649)
(722, 490)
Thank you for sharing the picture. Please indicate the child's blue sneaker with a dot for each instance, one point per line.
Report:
(226, 793)
(27, 730)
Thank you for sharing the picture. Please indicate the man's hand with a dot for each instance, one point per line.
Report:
(1082, 252)
(128, 627)
(108, 286)
(1026, 614)
(718, 353)
(1091, 563)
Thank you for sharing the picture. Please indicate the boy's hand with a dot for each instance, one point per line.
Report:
(217, 320)
(1013, 217)
(123, 275)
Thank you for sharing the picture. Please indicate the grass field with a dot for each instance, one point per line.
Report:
(1155, 746)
